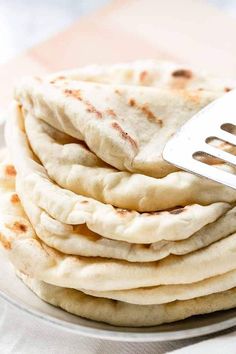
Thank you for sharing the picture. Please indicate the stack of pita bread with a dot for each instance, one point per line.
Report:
(94, 221)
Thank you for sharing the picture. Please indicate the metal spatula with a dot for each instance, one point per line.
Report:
(217, 120)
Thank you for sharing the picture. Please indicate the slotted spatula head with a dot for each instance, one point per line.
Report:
(215, 121)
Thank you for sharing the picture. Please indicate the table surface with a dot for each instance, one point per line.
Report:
(36, 22)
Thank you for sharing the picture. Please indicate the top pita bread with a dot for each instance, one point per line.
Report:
(126, 125)
(152, 73)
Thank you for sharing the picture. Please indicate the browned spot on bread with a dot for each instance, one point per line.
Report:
(145, 110)
(92, 109)
(84, 202)
(14, 198)
(227, 89)
(177, 211)
(181, 78)
(132, 102)
(6, 244)
(18, 227)
(59, 78)
(111, 112)
(122, 212)
(183, 73)
(10, 170)
(124, 135)
(192, 96)
(74, 93)
(143, 76)
(117, 92)
(77, 94)
(151, 116)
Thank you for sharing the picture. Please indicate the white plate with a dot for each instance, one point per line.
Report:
(17, 294)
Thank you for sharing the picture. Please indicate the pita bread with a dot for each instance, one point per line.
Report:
(74, 167)
(14, 225)
(79, 240)
(152, 73)
(77, 184)
(126, 126)
(119, 313)
(145, 296)
(167, 293)
(33, 257)
(107, 107)
(118, 224)
(7, 171)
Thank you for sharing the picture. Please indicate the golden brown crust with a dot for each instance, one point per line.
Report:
(10, 170)
(124, 135)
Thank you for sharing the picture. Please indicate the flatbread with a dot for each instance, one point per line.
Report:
(118, 224)
(77, 184)
(15, 229)
(163, 294)
(100, 274)
(74, 167)
(118, 313)
(173, 78)
(126, 126)
(10, 206)
(79, 240)
(35, 258)
(152, 73)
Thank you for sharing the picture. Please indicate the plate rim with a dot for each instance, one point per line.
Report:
(120, 336)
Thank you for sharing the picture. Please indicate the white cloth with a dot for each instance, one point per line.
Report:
(21, 333)
(225, 344)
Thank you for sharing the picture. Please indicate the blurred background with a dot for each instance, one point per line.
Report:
(38, 37)
(24, 23)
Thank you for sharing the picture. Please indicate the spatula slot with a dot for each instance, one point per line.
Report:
(206, 144)
(207, 158)
(230, 128)
(222, 144)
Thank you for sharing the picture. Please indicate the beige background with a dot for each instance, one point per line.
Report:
(190, 31)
